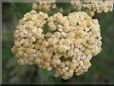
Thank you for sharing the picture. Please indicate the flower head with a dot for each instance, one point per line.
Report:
(66, 48)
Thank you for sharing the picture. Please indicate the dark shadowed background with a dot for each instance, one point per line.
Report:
(101, 71)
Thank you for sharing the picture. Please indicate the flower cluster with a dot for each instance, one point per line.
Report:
(93, 6)
(66, 48)
(43, 5)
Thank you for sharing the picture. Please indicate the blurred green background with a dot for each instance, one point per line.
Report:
(101, 71)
